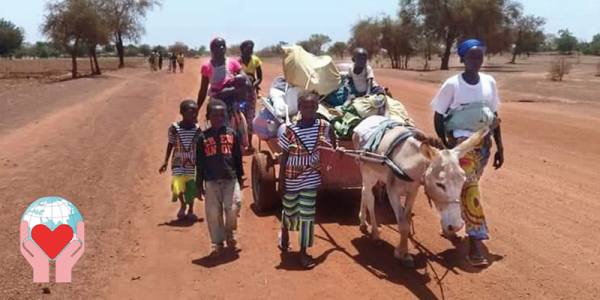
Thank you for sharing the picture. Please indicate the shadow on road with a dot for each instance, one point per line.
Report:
(181, 223)
(228, 255)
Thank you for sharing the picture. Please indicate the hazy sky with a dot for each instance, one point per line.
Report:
(195, 22)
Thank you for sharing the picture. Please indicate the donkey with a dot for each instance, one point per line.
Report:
(437, 170)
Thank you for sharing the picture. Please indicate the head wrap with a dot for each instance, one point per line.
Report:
(466, 45)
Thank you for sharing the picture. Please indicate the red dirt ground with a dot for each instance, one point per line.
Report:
(99, 142)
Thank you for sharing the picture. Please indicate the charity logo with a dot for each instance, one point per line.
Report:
(52, 230)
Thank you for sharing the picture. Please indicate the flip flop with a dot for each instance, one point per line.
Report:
(477, 261)
(232, 243)
(307, 262)
(283, 246)
(181, 214)
(192, 217)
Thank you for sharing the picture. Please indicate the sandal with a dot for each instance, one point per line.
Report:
(192, 217)
(181, 214)
(216, 252)
(307, 261)
(231, 243)
(477, 261)
(284, 246)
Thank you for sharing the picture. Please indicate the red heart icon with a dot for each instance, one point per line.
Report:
(52, 242)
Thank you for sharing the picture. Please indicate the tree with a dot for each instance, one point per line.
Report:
(272, 51)
(109, 48)
(590, 48)
(26, 50)
(71, 24)
(131, 50)
(124, 18)
(97, 33)
(11, 37)
(549, 42)
(160, 49)
(202, 50)
(529, 35)
(594, 45)
(338, 49)
(566, 42)
(314, 44)
(455, 20)
(178, 47)
(45, 50)
(366, 34)
(234, 50)
(397, 38)
(145, 49)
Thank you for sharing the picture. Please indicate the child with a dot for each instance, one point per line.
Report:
(183, 137)
(221, 79)
(219, 165)
(362, 78)
(251, 66)
(465, 89)
(300, 167)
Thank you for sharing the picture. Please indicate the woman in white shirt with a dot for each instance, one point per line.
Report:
(463, 89)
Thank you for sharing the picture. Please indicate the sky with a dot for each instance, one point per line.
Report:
(267, 22)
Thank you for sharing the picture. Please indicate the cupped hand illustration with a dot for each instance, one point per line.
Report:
(34, 255)
(69, 256)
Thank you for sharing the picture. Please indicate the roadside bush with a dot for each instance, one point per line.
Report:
(559, 68)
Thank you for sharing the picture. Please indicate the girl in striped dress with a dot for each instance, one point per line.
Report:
(182, 143)
(300, 166)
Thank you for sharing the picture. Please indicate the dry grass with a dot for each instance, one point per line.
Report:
(42, 68)
(525, 81)
(559, 68)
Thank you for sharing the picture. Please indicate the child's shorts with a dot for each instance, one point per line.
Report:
(186, 185)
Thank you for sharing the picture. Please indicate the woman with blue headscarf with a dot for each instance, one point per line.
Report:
(462, 96)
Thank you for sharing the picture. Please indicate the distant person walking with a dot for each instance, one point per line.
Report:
(173, 61)
(180, 62)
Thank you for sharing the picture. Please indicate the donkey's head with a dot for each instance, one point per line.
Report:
(444, 179)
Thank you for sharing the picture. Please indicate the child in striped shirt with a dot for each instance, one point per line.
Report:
(183, 136)
(301, 172)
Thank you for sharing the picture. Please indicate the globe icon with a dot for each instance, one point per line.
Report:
(52, 212)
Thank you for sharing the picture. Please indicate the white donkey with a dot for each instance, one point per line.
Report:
(438, 170)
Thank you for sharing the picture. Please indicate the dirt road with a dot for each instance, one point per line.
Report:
(99, 142)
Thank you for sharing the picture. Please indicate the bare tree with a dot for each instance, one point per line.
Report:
(366, 33)
(338, 49)
(72, 24)
(179, 47)
(528, 35)
(454, 20)
(124, 18)
(314, 44)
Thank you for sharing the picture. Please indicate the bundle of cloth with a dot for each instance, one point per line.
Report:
(306, 72)
(346, 117)
(302, 72)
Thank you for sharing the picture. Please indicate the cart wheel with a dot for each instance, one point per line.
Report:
(263, 181)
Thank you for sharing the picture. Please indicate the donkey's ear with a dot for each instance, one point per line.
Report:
(470, 143)
(428, 151)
